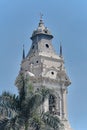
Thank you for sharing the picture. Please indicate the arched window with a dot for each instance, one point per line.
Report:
(52, 104)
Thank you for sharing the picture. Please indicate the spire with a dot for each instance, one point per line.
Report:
(23, 57)
(41, 15)
(41, 23)
(60, 50)
(41, 29)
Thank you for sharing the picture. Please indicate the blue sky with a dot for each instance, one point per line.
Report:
(67, 20)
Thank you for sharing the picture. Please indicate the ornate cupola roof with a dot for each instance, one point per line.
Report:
(41, 41)
(41, 30)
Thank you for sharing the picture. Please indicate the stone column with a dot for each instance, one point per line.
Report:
(64, 96)
(61, 104)
(58, 105)
(46, 105)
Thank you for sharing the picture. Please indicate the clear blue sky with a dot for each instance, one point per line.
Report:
(67, 20)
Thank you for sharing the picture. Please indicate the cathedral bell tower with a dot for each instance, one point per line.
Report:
(46, 68)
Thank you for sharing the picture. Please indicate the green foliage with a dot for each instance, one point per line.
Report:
(24, 108)
(20, 81)
(8, 100)
(52, 121)
(36, 121)
(29, 90)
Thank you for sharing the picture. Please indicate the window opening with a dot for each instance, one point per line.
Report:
(33, 47)
(52, 73)
(45, 31)
(52, 104)
(47, 45)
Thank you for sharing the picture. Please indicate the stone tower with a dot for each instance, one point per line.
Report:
(46, 68)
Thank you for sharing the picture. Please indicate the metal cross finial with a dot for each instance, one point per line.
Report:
(41, 15)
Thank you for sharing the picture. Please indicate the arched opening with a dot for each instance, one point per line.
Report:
(52, 104)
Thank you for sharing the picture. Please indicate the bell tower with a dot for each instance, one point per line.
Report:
(46, 69)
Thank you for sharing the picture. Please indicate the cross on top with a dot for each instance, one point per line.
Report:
(41, 16)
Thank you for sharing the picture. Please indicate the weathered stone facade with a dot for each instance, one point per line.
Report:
(46, 69)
